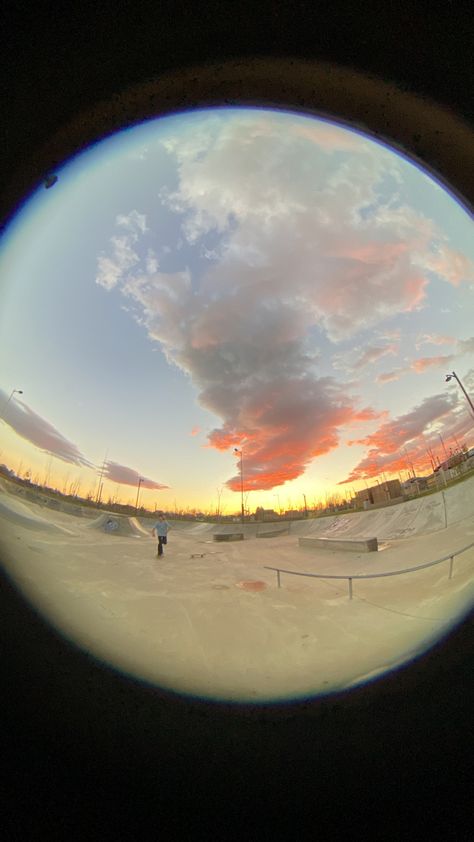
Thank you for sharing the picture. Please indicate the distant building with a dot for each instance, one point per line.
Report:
(265, 514)
(382, 493)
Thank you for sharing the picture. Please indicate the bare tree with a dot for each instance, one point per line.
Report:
(246, 497)
(219, 496)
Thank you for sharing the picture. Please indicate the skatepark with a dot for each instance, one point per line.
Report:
(214, 619)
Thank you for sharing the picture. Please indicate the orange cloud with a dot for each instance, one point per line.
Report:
(429, 362)
(386, 445)
(283, 427)
(195, 431)
(372, 252)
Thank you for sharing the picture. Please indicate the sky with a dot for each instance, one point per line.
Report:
(235, 278)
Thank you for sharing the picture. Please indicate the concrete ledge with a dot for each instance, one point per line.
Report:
(361, 545)
(228, 536)
(272, 534)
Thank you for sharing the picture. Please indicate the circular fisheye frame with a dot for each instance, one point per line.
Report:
(259, 484)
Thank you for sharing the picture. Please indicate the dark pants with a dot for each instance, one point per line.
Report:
(161, 541)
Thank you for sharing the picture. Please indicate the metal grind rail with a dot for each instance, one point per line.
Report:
(449, 557)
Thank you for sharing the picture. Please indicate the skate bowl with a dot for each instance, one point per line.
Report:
(113, 524)
(357, 545)
(22, 515)
(273, 533)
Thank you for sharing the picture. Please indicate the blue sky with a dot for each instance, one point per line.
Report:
(242, 278)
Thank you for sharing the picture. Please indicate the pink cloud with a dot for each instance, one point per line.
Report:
(451, 265)
(424, 363)
(128, 476)
(389, 376)
(387, 443)
(195, 430)
(283, 427)
(434, 339)
(39, 432)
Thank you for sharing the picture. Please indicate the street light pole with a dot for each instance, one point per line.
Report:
(13, 392)
(236, 450)
(449, 377)
(140, 480)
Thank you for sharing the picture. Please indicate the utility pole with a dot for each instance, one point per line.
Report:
(13, 391)
(140, 480)
(444, 447)
(99, 492)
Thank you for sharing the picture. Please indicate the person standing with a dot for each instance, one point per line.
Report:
(160, 529)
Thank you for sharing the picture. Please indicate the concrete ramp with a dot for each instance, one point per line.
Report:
(272, 533)
(459, 501)
(71, 509)
(113, 524)
(19, 513)
(420, 516)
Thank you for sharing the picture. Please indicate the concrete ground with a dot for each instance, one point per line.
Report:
(187, 624)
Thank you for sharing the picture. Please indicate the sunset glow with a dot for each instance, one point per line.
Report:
(235, 278)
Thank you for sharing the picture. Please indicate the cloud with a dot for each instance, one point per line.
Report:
(450, 265)
(294, 253)
(128, 476)
(134, 222)
(110, 269)
(356, 359)
(390, 335)
(390, 376)
(195, 430)
(39, 432)
(434, 339)
(386, 444)
(423, 363)
(465, 346)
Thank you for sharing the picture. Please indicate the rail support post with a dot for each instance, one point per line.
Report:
(278, 577)
(451, 565)
(350, 587)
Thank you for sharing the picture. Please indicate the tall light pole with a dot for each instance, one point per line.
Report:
(140, 480)
(236, 450)
(13, 392)
(99, 490)
(279, 507)
(449, 377)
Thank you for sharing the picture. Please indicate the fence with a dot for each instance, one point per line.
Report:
(350, 579)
